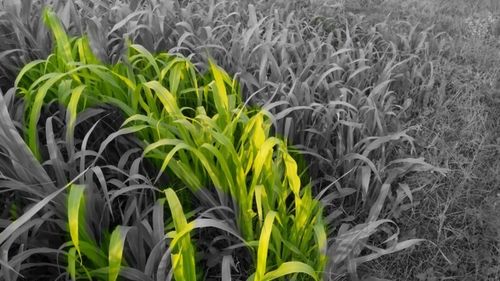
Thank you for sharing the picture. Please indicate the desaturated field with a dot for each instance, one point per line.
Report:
(250, 140)
(460, 131)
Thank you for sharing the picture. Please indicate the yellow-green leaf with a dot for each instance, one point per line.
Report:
(292, 267)
(291, 173)
(73, 107)
(115, 253)
(183, 254)
(263, 249)
(220, 96)
(72, 263)
(75, 199)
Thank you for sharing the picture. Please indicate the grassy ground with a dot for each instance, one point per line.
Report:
(460, 131)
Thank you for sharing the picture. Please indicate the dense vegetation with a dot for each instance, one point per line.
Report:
(231, 140)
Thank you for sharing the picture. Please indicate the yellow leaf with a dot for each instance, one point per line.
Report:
(291, 173)
(74, 200)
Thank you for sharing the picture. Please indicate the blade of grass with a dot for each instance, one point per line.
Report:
(75, 199)
(263, 249)
(115, 254)
(183, 259)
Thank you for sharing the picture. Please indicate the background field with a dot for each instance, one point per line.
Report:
(458, 213)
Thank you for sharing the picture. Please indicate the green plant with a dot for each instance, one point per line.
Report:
(189, 122)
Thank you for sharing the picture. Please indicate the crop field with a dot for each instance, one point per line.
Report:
(259, 140)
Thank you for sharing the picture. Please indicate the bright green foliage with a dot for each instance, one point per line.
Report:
(61, 214)
(90, 255)
(197, 130)
(183, 260)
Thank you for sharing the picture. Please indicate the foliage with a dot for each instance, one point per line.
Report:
(337, 89)
(188, 122)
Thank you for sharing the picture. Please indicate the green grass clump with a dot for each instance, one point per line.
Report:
(200, 134)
